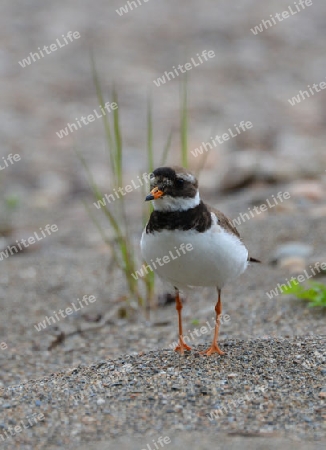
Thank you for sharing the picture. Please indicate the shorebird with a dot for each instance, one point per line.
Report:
(181, 220)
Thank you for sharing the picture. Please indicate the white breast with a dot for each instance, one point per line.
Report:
(216, 258)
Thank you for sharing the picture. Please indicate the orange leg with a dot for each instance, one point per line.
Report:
(214, 348)
(182, 345)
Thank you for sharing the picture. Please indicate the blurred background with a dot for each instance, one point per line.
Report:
(251, 78)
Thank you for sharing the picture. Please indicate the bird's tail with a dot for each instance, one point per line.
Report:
(250, 259)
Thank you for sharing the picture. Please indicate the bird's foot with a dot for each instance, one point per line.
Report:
(182, 346)
(214, 348)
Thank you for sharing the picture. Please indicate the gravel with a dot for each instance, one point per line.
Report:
(262, 387)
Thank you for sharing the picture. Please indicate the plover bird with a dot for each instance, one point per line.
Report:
(182, 221)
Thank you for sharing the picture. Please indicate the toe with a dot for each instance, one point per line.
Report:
(211, 350)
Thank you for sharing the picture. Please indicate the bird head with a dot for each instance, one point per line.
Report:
(173, 189)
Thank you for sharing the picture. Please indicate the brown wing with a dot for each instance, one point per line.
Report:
(224, 221)
(228, 226)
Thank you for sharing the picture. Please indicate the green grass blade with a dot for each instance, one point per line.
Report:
(166, 149)
(184, 121)
(106, 123)
(118, 141)
(105, 239)
(98, 195)
(150, 150)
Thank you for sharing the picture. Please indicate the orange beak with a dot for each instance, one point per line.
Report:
(154, 194)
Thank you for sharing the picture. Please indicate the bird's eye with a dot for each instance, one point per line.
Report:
(179, 182)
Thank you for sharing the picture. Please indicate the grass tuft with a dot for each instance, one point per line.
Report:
(124, 252)
(184, 121)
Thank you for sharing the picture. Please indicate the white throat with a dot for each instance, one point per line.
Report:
(168, 203)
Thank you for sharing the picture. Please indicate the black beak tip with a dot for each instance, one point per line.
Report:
(149, 197)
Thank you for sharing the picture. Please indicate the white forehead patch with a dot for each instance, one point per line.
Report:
(152, 179)
(187, 177)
